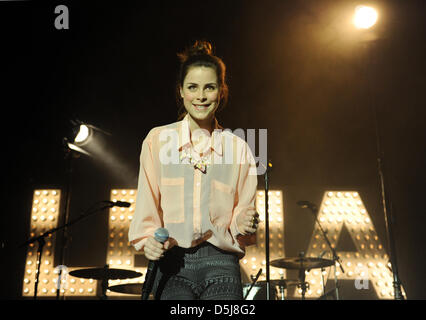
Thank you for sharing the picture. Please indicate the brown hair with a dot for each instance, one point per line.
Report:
(200, 54)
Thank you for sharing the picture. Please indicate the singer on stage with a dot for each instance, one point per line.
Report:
(199, 182)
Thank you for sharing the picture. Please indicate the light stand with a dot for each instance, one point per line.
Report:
(384, 196)
(69, 154)
(268, 287)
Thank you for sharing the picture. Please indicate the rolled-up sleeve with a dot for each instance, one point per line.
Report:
(146, 218)
(245, 195)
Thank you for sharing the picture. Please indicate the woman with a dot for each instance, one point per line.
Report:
(204, 197)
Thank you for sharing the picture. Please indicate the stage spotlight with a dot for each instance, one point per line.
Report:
(74, 147)
(365, 17)
(83, 135)
(79, 134)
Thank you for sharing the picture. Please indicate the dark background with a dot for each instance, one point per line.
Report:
(295, 68)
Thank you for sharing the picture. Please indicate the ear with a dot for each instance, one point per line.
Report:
(181, 92)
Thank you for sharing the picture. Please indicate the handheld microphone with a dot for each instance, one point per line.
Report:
(161, 235)
(118, 204)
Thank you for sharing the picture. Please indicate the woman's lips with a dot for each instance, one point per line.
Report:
(201, 106)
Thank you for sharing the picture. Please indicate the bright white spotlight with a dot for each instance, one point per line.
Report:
(77, 148)
(83, 134)
(365, 17)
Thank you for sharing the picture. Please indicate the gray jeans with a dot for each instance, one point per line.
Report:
(204, 272)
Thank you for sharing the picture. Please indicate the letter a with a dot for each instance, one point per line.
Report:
(62, 21)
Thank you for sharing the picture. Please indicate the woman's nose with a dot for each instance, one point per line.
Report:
(201, 95)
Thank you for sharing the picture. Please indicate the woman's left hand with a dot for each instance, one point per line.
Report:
(247, 222)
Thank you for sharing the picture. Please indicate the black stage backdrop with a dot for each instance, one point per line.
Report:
(293, 69)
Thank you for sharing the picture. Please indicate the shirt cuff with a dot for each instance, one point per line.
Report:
(140, 244)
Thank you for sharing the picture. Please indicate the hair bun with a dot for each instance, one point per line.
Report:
(200, 47)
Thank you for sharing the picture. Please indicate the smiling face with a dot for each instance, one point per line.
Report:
(200, 94)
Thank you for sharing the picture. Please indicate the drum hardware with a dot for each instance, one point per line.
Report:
(326, 294)
(105, 274)
(282, 284)
(253, 283)
(314, 210)
(302, 264)
(282, 291)
(128, 288)
(258, 290)
(322, 272)
(302, 275)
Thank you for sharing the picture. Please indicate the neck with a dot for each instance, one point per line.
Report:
(207, 124)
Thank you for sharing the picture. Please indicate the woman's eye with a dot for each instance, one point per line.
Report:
(191, 87)
(211, 88)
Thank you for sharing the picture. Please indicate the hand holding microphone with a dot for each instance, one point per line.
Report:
(155, 247)
(154, 250)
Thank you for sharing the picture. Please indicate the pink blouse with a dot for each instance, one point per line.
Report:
(195, 198)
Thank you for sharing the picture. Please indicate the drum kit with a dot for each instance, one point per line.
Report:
(300, 263)
(105, 274)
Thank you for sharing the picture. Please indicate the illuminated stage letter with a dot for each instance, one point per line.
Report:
(44, 216)
(369, 264)
(121, 253)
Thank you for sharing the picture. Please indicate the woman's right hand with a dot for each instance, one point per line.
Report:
(154, 250)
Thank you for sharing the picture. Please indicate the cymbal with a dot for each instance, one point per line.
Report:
(306, 263)
(280, 282)
(129, 288)
(105, 273)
